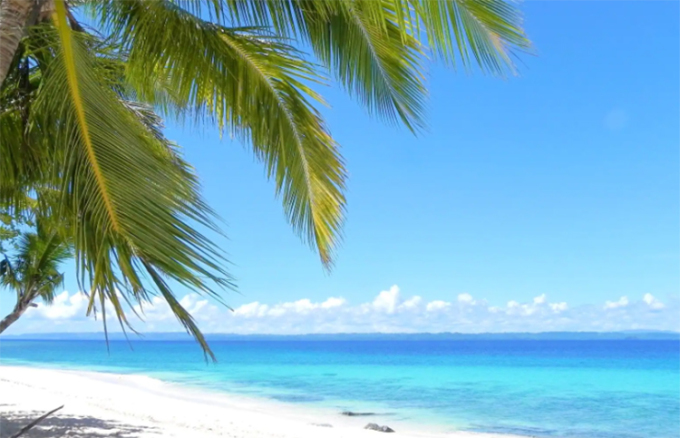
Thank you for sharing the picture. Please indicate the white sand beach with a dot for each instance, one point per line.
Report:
(115, 405)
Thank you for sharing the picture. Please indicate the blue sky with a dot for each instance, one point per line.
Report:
(562, 181)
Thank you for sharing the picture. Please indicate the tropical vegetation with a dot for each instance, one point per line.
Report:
(84, 86)
(33, 271)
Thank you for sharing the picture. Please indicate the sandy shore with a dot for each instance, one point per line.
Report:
(114, 405)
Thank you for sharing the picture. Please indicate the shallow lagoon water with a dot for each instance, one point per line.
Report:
(566, 389)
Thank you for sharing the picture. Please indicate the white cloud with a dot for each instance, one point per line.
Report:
(63, 306)
(411, 303)
(539, 304)
(300, 306)
(437, 305)
(387, 300)
(622, 302)
(333, 302)
(251, 310)
(194, 303)
(540, 299)
(558, 307)
(466, 298)
(387, 312)
(652, 302)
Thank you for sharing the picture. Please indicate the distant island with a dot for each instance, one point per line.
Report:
(180, 336)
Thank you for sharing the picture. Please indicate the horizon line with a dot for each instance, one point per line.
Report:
(182, 333)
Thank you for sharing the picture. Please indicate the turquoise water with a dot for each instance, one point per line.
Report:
(570, 389)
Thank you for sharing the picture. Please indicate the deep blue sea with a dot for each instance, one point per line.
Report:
(574, 389)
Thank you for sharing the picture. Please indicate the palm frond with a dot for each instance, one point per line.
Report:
(77, 121)
(368, 45)
(134, 202)
(33, 269)
(485, 32)
(251, 83)
(374, 59)
(21, 158)
(8, 275)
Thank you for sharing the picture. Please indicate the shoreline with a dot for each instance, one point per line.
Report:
(101, 403)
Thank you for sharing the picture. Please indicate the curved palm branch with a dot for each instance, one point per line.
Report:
(486, 31)
(134, 202)
(41, 130)
(254, 84)
(75, 119)
(482, 32)
(373, 48)
(368, 45)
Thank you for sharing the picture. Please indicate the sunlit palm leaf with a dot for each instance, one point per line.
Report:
(372, 58)
(371, 46)
(359, 42)
(482, 32)
(255, 86)
(130, 197)
(487, 32)
(73, 120)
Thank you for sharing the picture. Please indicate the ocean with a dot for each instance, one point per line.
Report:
(537, 388)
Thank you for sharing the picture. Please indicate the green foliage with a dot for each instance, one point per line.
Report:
(81, 144)
(33, 269)
(252, 83)
(9, 232)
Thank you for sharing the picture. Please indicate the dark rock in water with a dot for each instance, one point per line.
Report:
(357, 414)
(373, 426)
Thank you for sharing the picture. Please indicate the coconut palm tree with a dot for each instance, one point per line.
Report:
(78, 96)
(33, 271)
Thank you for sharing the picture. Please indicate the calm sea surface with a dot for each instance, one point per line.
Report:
(575, 389)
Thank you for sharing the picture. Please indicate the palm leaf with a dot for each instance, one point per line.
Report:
(371, 56)
(488, 32)
(372, 47)
(359, 41)
(341, 32)
(135, 203)
(33, 270)
(252, 84)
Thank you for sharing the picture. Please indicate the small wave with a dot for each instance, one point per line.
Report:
(297, 398)
(515, 430)
(142, 380)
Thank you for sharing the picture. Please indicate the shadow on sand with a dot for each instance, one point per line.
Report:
(64, 425)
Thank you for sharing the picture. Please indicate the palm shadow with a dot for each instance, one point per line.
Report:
(65, 425)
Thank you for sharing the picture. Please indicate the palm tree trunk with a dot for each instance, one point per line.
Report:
(19, 310)
(14, 16)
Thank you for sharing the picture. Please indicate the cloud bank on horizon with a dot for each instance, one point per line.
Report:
(388, 312)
